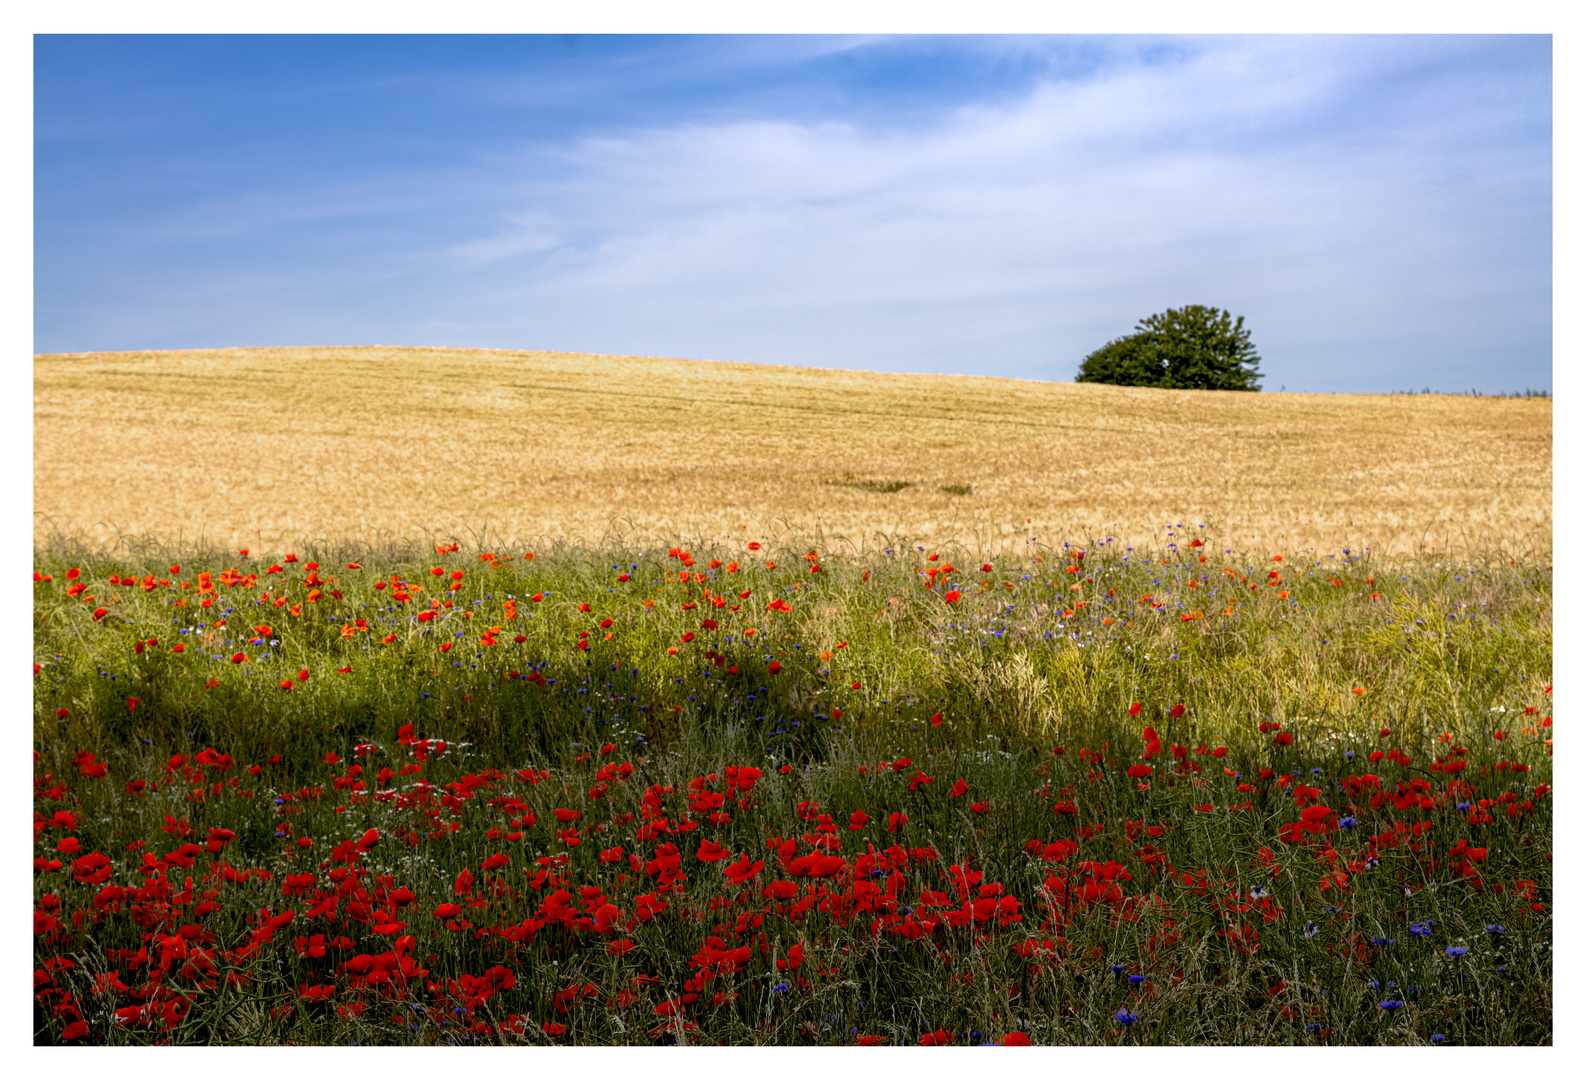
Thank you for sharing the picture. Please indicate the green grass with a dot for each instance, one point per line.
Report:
(1033, 680)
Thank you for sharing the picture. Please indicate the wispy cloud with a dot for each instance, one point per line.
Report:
(1255, 175)
(1377, 208)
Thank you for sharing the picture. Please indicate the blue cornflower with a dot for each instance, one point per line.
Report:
(1257, 892)
(1117, 969)
(1438, 1039)
(1462, 807)
(1494, 930)
(1456, 950)
(1347, 823)
(1391, 1004)
(779, 988)
(1136, 980)
(1125, 1017)
(1421, 929)
(1310, 929)
(1316, 772)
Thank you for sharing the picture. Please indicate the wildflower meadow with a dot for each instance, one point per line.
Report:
(779, 792)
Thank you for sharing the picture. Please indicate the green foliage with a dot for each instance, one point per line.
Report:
(1188, 348)
(1009, 652)
(1021, 687)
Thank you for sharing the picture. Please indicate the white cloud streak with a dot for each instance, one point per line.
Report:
(1379, 209)
(1022, 235)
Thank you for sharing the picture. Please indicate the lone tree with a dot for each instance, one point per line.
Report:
(1188, 348)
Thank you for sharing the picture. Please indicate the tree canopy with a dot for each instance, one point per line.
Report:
(1188, 348)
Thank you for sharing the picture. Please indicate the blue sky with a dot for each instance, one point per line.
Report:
(1379, 209)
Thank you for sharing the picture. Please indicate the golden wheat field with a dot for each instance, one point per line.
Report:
(274, 447)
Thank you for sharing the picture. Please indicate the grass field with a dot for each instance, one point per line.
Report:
(273, 448)
(802, 707)
(780, 795)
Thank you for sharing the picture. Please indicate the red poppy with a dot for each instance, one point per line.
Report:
(940, 1037)
(958, 788)
(1015, 1038)
(1139, 771)
(936, 720)
(710, 851)
(952, 596)
(369, 839)
(1134, 708)
(567, 817)
(742, 870)
(795, 957)
(858, 820)
(896, 821)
